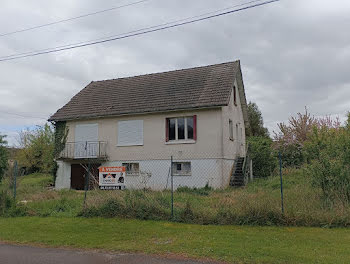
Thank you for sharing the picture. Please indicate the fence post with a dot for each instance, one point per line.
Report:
(280, 161)
(251, 170)
(87, 180)
(15, 180)
(172, 189)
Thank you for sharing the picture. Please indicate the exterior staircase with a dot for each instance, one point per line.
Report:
(238, 174)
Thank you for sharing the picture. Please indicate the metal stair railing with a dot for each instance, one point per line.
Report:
(246, 165)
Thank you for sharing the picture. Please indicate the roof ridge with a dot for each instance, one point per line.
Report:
(155, 73)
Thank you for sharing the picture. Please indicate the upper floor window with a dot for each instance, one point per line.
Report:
(130, 133)
(230, 124)
(181, 128)
(234, 95)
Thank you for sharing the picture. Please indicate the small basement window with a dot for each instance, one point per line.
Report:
(182, 168)
(132, 169)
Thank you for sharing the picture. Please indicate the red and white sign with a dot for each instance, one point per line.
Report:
(112, 178)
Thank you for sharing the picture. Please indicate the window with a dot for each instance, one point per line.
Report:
(230, 124)
(132, 169)
(234, 96)
(237, 131)
(181, 128)
(182, 168)
(130, 133)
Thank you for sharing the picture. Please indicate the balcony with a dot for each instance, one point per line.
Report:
(96, 150)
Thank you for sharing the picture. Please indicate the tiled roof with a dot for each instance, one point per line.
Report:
(200, 87)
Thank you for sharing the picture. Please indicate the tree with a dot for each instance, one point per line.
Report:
(347, 123)
(3, 156)
(263, 156)
(256, 121)
(291, 137)
(37, 153)
(328, 151)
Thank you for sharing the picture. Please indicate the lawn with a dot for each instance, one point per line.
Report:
(233, 244)
(257, 204)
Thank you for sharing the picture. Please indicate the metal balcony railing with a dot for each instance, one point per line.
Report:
(85, 150)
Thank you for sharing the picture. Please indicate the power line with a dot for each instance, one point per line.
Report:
(132, 33)
(129, 32)
(72, 18)
(24, 116)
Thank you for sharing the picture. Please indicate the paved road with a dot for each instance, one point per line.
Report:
(13, 254)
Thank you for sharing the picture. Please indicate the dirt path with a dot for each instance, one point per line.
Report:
(14, 254)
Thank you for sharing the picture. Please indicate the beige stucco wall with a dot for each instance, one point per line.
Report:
(233, 112)
(208, 144)
(232, 148)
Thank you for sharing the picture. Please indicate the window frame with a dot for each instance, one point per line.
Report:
(136, 173)
(186, 139)
(234, 95)
(230, 123)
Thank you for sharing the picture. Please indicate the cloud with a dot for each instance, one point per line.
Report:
(293, 53)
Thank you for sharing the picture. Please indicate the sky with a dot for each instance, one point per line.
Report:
(294, 53)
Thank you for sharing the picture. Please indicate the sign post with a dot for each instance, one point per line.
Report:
(112, 178)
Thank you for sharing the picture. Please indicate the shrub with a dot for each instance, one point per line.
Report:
(133, 204)
(187, 214)
(8, 206)
(329, 162)
(5, 203)
(292, 155)
(263, 156)
(200, 191)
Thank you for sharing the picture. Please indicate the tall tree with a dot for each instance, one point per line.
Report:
(37, 153)
(3, 156)
(256, 121)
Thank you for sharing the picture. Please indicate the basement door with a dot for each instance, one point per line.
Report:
(86, 141)
(78, 174)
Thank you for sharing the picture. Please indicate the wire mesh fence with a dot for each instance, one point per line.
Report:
(182, 188)
(171, 188)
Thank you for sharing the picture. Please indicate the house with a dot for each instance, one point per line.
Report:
(195, 116)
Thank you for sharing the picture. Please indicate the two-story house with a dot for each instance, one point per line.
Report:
(197, 116)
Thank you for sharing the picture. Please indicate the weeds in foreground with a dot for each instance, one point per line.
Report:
(257, 204)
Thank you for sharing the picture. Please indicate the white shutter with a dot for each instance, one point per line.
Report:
(86, 132)
(86, 141)
(130, 133)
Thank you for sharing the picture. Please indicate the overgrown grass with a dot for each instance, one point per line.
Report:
(233, 244)
(257, 204)
(36, 197)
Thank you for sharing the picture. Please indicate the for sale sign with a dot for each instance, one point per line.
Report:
(112, 178)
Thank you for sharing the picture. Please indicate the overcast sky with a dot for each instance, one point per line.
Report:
(294, 53)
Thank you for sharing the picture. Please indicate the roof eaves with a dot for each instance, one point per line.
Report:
(81, 117)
